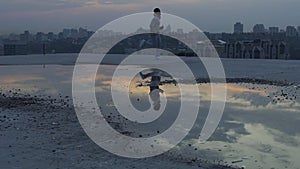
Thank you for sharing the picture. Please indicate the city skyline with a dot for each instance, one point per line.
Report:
(237, 26)
(209, 15)
(261, 43)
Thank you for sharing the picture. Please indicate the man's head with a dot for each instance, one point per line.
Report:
(156, 11)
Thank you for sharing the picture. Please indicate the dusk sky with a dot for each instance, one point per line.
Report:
(208, 15)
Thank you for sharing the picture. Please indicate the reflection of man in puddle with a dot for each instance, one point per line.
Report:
(155, 91)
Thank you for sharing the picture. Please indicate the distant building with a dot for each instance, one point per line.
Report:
(60, 35)
(40, 36)
(51, 36)
(168, 29)
(1, 49)
(238, 28)
(219, 46)
(298, 29)
(282, 31)
(74, 33)
(257, 49)
(291, 31)
(15, 48)
(207, 48)
(259, 28)
(141, 30)
(26, 36)
(13, 37)
(180, 31)
(273, 30)
(66, 33)
(83, 33)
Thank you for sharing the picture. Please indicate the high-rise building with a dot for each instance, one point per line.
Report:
(238, 28)
(298, 30)
(66, 33)
(82, 33)
(25, 37)
(74, 33)
(291, 31)
(1, 50)
(273, 30)
(15, 48)
(259, 28)
(51, 36)
(40, 36)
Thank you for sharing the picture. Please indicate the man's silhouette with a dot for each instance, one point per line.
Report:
(155, 28)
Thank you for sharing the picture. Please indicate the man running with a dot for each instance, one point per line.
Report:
(155, 29)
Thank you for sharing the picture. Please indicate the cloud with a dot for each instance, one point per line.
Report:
(209, 15)
(137, 1)
(10, 6)
(118, 1)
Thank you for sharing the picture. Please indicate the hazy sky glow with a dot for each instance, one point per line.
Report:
(209, 15)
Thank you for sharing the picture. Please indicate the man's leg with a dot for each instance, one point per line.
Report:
(157, 38)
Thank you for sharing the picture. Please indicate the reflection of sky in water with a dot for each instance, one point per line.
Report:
(260, 125)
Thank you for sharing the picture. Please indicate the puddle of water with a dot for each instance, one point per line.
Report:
(259, 128)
